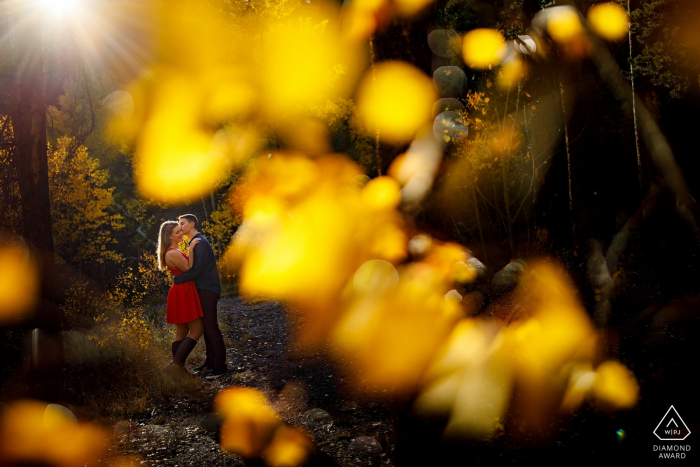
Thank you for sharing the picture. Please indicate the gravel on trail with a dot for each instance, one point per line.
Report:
(310, 392)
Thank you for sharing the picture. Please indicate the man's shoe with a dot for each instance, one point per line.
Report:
(217, 373)
(203, 367)
(202, 371)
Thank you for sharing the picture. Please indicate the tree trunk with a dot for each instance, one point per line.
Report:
(568, 157)
(28, 111)
(506, 200)
(478, 223)
(634, 105)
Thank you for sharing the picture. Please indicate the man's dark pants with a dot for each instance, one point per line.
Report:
(216, 349)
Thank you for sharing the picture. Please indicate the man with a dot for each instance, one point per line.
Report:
(206, 277)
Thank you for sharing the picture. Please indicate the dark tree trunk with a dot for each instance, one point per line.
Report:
(28, 110)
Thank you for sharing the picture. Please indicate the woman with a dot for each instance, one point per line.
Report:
(183, 309)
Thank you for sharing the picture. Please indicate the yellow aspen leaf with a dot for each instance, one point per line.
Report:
(609, 20)
(483, 48)
(395, 99)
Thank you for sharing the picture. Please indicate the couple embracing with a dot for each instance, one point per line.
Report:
(193, 297)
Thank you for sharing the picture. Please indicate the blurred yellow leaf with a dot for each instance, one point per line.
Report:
(393, 336)
(395, 99)
(177, 160)
(382, 193)
(615, 386)
(375, 277)
(451, 260)
(388, 241)
(289, 448)
(581, 381)
(359, 20)
(554, 331)
(469, 381)
(563, 23)
(510, 73)
(57, 416)
(411, 7)
(609, 20)
(306, 60)
(249, 420)
(559, 325)
(307, 227)
(19, 283)
(28, 436)
(483, 48)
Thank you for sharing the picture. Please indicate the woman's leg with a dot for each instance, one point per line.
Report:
(196, 329)
(181, 331)
(188, 343)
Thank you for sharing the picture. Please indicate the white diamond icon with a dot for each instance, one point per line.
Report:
(672, 427)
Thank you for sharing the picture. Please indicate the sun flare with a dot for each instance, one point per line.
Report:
(62, 7)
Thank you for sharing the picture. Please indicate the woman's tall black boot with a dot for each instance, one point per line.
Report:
(176, 344)
(177, 366)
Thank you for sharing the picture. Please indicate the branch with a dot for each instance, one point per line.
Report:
(655, 141)
(138, 229)
(602, 268)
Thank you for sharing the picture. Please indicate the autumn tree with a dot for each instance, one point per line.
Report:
(665, 36)
(9, 188)
(84, 218)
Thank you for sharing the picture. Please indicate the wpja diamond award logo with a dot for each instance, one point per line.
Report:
(672, 428)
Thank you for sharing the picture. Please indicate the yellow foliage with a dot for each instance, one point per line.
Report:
(10, 208)
(307, 228)
(222, 224)
(119, 317)
(581, 381)
(395, 99)
(393, 335)
(334, 110)
(469, 380)
(483, 48)
(615, 386)
(289, 448)
(19, 283)
(411, 7)
(382, 193)
(200, 112)
(306, 61)
(609, 20)
(450, 260)
(511, 73)
(478, 367)
(564, 23)
(177, 158)
(27, 435)
(80, 206)
(249, 420)
(559, 326)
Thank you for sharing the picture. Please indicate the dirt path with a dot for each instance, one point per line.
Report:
(184, 432)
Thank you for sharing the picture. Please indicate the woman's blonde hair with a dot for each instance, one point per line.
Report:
(166, 230)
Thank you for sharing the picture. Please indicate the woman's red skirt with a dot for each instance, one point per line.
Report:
(183, 303)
